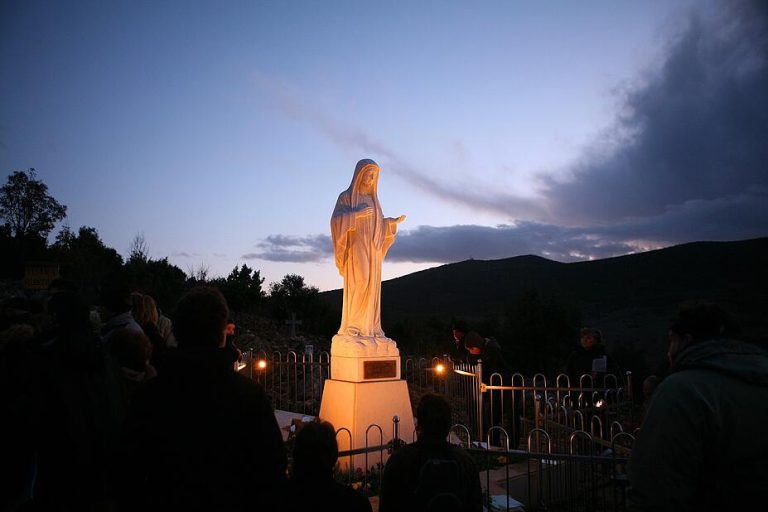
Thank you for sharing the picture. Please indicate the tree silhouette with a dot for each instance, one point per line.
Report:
(242, 288)
(28, 213)
(85, 259)
(26, 206)
(293, 295)
(139, 249)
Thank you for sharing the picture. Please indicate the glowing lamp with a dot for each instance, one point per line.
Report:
(440, 368)
(261, 364)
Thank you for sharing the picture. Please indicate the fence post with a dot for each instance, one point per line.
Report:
(478, 390)
(395, 432)
(537, 411)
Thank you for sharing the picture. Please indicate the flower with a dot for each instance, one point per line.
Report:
(357, 485)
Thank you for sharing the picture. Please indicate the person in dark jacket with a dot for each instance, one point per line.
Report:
(431, 474)
(78, 407)
(590, 358)
(314, 457)
(476, 349)
(702, 445)
(200, 436)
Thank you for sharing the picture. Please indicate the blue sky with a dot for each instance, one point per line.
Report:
(224, 133)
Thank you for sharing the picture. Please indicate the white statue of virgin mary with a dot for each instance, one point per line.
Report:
(361, 237)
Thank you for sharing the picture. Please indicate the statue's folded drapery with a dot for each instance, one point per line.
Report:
(361, 237)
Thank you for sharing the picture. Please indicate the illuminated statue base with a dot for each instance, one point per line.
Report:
(354, 402)
(356, 345)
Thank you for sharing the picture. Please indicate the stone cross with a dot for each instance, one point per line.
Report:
(292, 323)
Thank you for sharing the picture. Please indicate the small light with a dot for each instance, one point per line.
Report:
(261, 364)
(600, 403)
(440, 368)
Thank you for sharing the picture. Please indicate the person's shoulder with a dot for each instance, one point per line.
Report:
(686, 384)
(407, 450)
(462, 455)
(404, 456)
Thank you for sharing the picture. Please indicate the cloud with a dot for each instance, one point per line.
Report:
(685, 160)
(182, 254)
(456, 243)
(695, 129)
(742, 216)
(293, 249)
(471, 193)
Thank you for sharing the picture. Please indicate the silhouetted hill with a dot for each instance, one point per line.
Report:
(631, 298)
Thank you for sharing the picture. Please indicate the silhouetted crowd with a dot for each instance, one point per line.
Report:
(116, 408)
(112, 408)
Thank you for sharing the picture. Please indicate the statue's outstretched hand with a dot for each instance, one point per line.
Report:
(400, 219)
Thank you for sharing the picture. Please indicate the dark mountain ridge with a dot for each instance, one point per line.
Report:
(632, 298)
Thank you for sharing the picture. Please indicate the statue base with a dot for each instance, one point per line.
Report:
(364, 358)
(363, 396)
(355, 345)
(366, 410)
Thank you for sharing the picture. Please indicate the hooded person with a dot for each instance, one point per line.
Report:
(702, 445)
(361, 238)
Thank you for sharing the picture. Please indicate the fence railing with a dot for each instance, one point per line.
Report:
(543, 442)
(516, 403)
(540, 476)
(293, 381)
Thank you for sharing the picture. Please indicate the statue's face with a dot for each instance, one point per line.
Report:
(367, 180)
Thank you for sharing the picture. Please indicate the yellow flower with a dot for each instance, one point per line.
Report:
(357, 485)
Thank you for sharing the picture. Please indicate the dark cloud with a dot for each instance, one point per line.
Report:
(183, 254)
(292, 248)
(695, 130)
(456, 243)
(736, 217)
(742, 216)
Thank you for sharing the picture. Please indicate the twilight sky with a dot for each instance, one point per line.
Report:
(224, 131)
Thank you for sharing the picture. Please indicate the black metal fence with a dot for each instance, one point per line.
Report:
(584, 477)
(294, 382)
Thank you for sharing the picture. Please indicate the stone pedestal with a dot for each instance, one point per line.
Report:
(366, 391)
